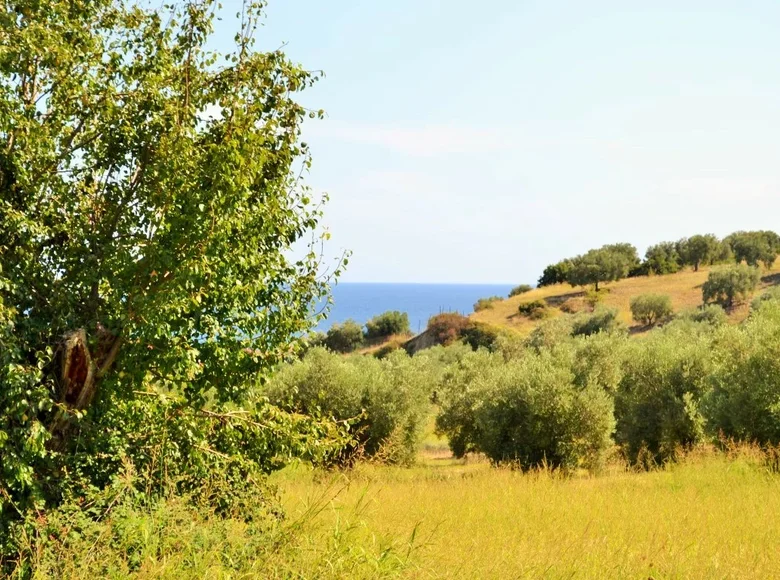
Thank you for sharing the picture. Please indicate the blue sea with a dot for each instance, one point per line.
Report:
(362, 301)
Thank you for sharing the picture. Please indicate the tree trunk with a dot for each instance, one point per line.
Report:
(78, 374)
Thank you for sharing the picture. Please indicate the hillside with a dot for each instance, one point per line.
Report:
(684, 288)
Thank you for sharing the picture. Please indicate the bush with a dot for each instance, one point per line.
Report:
(710, 314)
(385, 400)
(601, 320)
(595, 297)
(530, 308)
(521, 289)
(770, 295)
(480, 335)
(657, 406)
(485, 303)
(727, 286)
(551, 333)
(447, 327)
(527, 412)
(387, 324)
(344, 338)
(649, 309)
(743, 404)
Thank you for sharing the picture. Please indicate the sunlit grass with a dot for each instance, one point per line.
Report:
(708, 517)
(684, 288)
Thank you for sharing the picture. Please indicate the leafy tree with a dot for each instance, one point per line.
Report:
(605, 264)
(344, 338)
(387, 324)
(521, 289)
(149, 199)
(729, 285)
(663, 258)
(698, 250)
(651, 308)
(555, 273)
(754, 247)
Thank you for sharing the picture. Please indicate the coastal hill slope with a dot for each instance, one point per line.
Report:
(684, 288)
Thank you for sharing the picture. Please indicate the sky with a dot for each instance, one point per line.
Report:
(477, 142)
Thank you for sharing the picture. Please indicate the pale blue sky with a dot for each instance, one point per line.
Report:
(480, 141)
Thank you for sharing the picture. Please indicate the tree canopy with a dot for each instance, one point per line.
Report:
(606, 264)
(150, 195)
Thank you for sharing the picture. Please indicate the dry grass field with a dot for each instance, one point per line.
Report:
(711, 516)
(684, 288)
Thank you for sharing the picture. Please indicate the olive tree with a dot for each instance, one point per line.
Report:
(729, 285)
(651, 308)
(605, 264)
(755, 247)
(150, 196)
(698, 250)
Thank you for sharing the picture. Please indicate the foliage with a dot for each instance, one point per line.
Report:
(649, 309)
(480, 335)
(344, 338)
(663, 258)
(551, 333)
(606, 264)
(755, 247)
(521, 289)
(145, 241)
(485, 303)
(746, 387)
(387, 324)
(711, 314)
(595, 297)
(770, 295)
(526, 411)
(447, 327)
(726, 286)
(386, 401)
(530, 308)
(658, 403)
(602, 319)
(555, 273)
(698, 250)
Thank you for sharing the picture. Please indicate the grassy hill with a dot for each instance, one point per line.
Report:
(684, 288)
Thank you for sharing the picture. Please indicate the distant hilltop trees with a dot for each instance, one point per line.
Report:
(617, 261)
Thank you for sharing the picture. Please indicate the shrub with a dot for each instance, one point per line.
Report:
(649, 309)
(521, 289)
(529, 308)
(551, 333)
(485, 303)
(743, 404)
(344, 338)
(480, 335)
(527, 411)
(386, 400)
(387, 324)
(594, 297)
(657, 406)
(709, 314)
(727, 286)
(770, 295)
(601, 320)
(447, 327)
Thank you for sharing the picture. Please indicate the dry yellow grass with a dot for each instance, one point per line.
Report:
(684, 288)
(708, 517)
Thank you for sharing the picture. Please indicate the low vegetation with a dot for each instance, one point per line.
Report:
(649, 309)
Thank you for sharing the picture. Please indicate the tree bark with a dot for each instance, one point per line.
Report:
(78, 375)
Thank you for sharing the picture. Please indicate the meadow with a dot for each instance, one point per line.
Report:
(711, 515)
